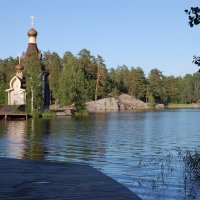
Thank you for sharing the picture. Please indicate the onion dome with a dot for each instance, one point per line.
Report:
(19, 67)
(32, 32)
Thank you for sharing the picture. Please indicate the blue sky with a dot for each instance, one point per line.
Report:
(145, 33)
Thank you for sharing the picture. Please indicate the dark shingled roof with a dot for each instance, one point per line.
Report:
(32, 48)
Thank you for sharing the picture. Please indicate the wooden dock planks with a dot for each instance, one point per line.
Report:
(7, 112)
(22, 179)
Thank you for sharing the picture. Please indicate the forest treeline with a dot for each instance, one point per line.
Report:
(84, 77)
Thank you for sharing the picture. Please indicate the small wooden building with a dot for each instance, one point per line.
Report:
(16, 94)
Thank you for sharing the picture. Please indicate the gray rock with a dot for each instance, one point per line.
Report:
(160, 106)
(127, 102)
(66, 112)
(107, 104)
(124, 102)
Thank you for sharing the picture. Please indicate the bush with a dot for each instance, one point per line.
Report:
(35, 114)
(48, 113)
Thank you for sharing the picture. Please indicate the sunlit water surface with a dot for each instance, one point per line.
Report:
(138, 149)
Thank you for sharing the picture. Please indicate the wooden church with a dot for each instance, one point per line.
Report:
(17, 91)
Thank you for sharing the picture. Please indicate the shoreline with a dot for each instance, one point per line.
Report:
(176, 106)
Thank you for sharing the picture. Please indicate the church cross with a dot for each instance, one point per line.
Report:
(19, 56)
(32, 20)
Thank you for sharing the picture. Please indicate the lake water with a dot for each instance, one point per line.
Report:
(138, 149)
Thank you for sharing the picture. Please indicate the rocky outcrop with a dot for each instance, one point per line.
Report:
(127, 102)
(68, 111)
(160, 106)
(107, 104)
(123, 102)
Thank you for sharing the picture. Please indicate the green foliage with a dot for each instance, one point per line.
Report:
(34, 84)
(151, 101)
(52, 63)
(137, 85)
(2, 89)
(128, 81)
(119, 78)
(82, 78)
(88, 64)
(8, 68)
(170, 90)
(179, 105)
(35, 114)
(7, 71)
(73, 85)
(155, 85)
(48, 113)
(15, 109)
(103, 82)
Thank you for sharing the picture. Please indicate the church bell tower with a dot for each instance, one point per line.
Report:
(32, 43)
(17, 90)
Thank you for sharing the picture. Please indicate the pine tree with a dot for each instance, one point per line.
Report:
(73, 85)
(155, 85)
(52, 64)
(137, 86)
(103, 81)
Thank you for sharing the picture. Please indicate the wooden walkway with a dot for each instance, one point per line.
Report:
(22, 180)
(7, 113)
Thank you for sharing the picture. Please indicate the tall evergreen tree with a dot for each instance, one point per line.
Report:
(171, 92)
(137, 83)
(155, 85)
(196, 87)
(52, 63)
(103, 82)
(119, 77)
(34, 85)
(73, 84)
(88, 64)
(188, 89)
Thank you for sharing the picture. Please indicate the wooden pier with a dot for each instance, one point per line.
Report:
(25, 179)
(7, 112)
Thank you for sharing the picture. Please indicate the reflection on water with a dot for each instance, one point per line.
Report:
(37, 131)
(15, 137)
(137, 149)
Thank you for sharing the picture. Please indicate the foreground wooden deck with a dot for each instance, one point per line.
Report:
(22, 180)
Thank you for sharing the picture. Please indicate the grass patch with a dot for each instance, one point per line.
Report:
(174, 105)
(48, 113)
